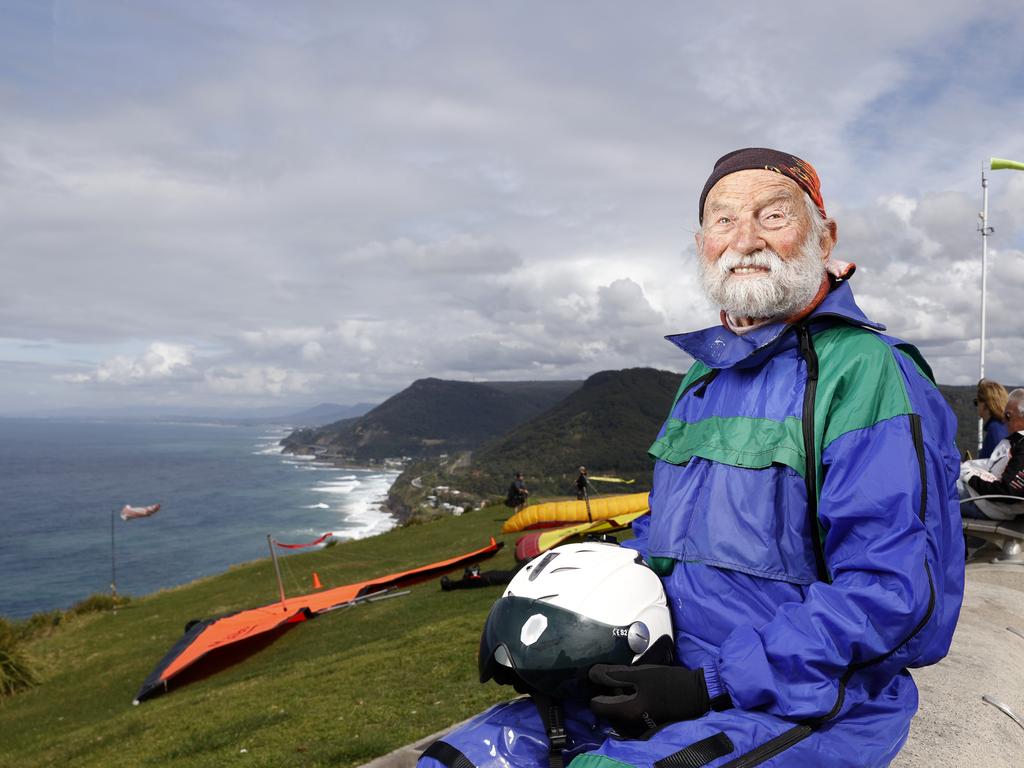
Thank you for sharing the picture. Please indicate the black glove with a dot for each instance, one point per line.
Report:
(648, 696)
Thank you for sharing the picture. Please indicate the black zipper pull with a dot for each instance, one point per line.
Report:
(706, 379)
(807, 351)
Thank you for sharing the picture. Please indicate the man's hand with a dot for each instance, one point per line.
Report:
(648, 696)
(970, 472)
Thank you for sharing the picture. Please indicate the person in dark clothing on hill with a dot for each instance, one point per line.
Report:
(582, 484)
(517, 493)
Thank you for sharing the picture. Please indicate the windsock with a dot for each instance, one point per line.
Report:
(130, 513)
(999, 164)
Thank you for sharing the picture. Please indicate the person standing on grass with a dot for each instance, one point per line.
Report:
(517, 493)
(582, 485)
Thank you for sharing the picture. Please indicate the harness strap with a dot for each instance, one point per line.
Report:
(447, 755)
(553, 717)
(698, 754)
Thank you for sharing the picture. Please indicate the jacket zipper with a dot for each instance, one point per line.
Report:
(810, 357)
(702, 382)
(771, 748)
(918, 439)
(705, 382)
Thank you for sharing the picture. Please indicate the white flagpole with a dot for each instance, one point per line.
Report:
(985, 231)
(113, 563)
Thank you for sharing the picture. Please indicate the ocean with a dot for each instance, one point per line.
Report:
(222, 489)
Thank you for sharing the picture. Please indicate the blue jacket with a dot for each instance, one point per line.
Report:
(804, 514)
(804, 520)
(995, 431)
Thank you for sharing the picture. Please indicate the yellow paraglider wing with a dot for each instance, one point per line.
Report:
(555, 513)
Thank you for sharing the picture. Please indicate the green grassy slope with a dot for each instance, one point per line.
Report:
(337, 691)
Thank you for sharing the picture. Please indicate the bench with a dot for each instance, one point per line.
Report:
(1007, 535)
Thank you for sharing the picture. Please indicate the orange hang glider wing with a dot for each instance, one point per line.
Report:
(222, 640)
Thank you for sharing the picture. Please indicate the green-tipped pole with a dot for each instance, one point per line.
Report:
(113, 563)
(995, 164)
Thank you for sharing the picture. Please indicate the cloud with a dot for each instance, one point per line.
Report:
(330, 202)
(259, 381)
(160, 361)
(458, 254)
(312, 351)
(623, 304)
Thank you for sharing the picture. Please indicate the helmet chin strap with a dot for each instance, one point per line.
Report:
(553, 717)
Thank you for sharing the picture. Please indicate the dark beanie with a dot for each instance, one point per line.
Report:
(759, 158)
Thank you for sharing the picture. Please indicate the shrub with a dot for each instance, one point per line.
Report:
(16, 671)
(38, 624)
(98, 603)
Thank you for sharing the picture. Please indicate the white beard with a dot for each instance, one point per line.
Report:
(787, 288)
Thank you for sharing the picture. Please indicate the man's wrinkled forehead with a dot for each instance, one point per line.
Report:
(752, 190)
(771, 160)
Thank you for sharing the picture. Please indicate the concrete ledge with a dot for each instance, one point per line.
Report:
(954, 727)
(406, 757)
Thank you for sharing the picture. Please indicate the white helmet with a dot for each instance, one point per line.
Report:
(573, 607)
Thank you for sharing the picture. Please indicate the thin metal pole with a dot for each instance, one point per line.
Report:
(985, 232)
(113, 563)
(277, 568)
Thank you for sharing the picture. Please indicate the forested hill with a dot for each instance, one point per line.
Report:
(607, 425)
(432, 417)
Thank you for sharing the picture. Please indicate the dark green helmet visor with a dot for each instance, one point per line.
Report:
(550, 649)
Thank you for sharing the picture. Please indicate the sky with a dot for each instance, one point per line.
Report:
(219, 205)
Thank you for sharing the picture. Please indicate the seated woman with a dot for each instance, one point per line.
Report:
(1004, 474)
(991, 402)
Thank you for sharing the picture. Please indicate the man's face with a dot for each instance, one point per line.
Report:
(1014, 420)
(761, 255)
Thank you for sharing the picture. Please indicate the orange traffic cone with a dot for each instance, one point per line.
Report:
(316, 581)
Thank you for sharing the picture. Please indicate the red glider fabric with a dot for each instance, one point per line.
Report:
(300, 546)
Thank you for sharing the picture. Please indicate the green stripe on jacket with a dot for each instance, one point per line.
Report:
(859, 385)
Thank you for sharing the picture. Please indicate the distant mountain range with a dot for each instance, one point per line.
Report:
(430, 418)
(326, 413)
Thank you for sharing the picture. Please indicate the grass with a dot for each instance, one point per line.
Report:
(337, 691)
(17, 672)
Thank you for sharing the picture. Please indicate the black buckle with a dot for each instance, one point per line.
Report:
(558, 739)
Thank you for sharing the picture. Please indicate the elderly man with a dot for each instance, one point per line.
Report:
(803, 519)
(1010, 480)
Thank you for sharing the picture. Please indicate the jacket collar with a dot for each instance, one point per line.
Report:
(718, 347)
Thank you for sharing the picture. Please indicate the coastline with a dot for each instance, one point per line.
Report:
(221, 492)
(392, 505)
